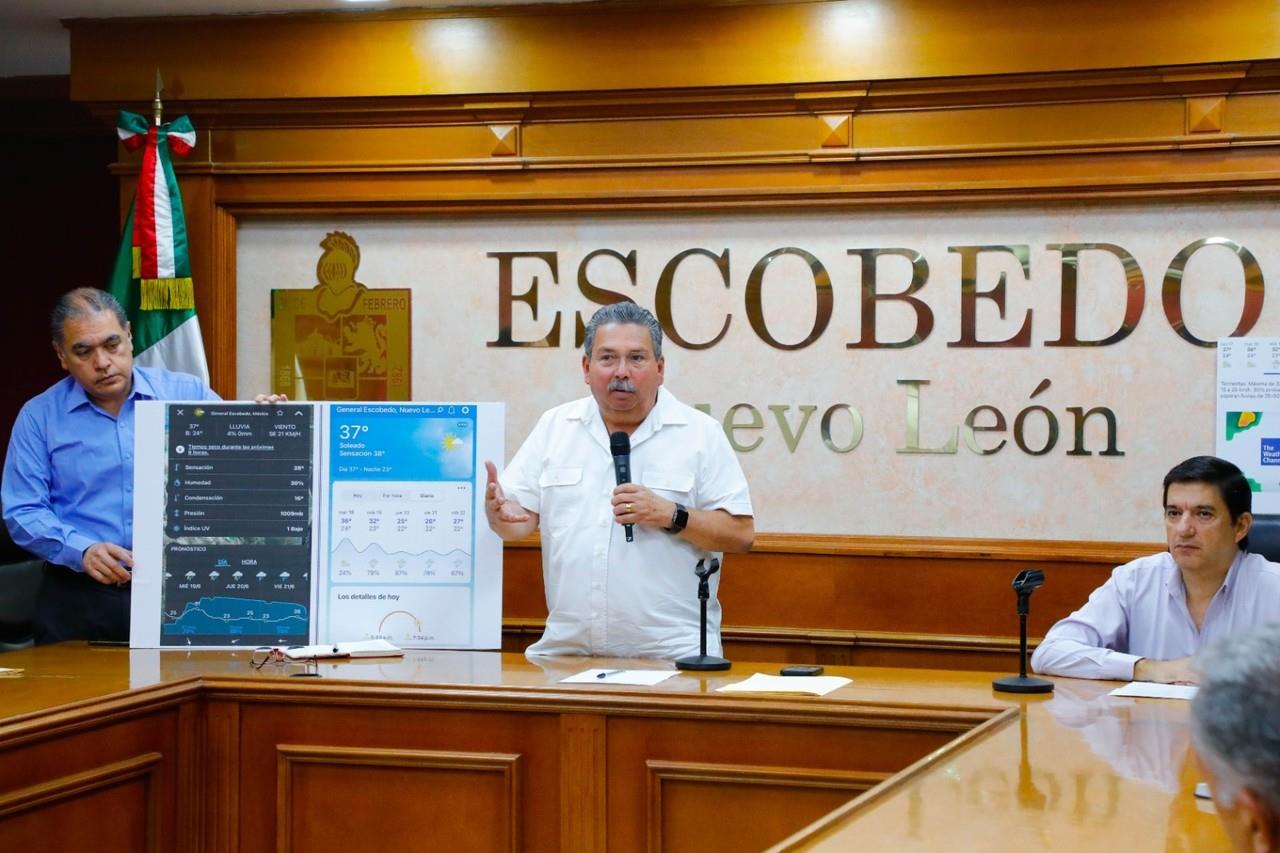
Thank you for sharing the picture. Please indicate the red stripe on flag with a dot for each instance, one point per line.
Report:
(144, 223)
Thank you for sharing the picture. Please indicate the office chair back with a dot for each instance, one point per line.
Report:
(1264, 537)
(20, 575)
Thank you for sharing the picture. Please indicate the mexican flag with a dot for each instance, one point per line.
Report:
(152, 275)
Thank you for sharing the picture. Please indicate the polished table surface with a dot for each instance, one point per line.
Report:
(1074, 769)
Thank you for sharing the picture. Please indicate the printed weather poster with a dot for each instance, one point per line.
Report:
(1248, 414)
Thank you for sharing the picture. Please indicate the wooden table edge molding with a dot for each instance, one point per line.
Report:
(44, 724)
(632, 702)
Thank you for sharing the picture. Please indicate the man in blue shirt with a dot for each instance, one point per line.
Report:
(68, 477)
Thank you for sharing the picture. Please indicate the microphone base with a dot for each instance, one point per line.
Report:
(1022, 684)
(702, 663)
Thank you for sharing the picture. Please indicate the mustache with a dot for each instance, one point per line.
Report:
(622, 385)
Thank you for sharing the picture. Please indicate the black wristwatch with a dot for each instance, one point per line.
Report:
(679, 519)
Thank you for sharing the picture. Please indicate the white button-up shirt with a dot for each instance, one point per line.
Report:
(607, 596)
(1141, 612)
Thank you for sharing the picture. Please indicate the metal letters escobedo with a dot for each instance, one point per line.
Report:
(546, 263)
(1036, 429)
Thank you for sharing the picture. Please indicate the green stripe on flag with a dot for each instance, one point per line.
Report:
(148, 326)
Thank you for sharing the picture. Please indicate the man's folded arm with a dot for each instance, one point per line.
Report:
(1076, 658)
(1084, 644)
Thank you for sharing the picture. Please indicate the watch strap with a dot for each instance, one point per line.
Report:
(679, 519)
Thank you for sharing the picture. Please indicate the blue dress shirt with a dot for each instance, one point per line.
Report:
(68, 477)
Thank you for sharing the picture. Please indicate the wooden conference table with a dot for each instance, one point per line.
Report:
(116, 749)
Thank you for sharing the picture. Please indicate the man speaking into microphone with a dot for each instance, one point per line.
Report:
(630, 488)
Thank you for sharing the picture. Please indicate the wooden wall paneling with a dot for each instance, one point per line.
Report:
(868, 601)
(652, 139)
(932, 651)
(868, 747)
(370, 726)
(122, 757)
(915, 595)
(190, 777)
(678, 45)
(1149, 121)
(220, 333)
(339, 148)
(339, 798)
(803, 840)
(894, 179)
(691, 804)
(834, 648)
(583, 799)
(1254, 115)
(868, 648)
(523, 596)
(223, 820)
(115, 806)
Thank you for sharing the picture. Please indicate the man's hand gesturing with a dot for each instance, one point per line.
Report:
(496, 505)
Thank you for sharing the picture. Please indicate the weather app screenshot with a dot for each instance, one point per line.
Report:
(238, 524)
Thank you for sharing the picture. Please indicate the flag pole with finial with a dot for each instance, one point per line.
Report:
(157, 108)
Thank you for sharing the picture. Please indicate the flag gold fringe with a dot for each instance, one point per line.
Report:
(137, 262)
(172, 294)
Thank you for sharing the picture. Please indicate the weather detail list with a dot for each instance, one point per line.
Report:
(238, 524)
(401, 531)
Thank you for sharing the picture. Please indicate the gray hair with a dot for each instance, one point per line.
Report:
(81, 303)
(624, 313)
(1235, 718)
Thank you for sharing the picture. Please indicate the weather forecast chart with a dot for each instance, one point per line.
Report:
(405, 559)
(237, 533)
(1248, 428)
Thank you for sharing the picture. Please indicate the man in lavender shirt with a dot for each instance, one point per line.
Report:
(1154, 613)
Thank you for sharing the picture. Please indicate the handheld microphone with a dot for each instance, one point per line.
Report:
(620, 447)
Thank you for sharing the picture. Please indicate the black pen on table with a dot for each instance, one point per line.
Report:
(605, 673)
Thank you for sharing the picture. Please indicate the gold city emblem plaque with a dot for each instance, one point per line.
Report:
(340, 340)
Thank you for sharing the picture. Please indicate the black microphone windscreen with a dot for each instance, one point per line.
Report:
(620, 444)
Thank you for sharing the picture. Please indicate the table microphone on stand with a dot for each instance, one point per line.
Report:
(704, 662)
(1026, 582)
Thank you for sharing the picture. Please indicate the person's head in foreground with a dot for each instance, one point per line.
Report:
(1235, 726)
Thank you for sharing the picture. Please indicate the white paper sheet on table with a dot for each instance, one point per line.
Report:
(1151, 690)
(641, 677)
(818, 685)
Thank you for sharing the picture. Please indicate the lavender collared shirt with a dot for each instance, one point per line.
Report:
(1141, 612)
